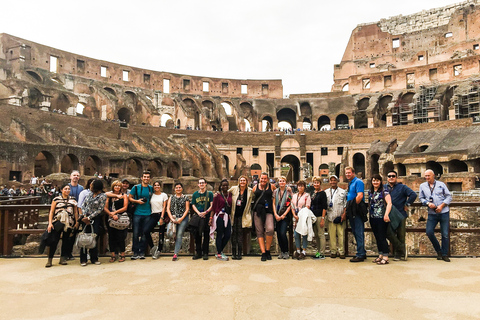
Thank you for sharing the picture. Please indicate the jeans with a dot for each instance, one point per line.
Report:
(149, 226)
(223, 234)
(180, 230)
(93, 252)
(379, 228)
(432, 221)
(300, 241)
(397, 238)
(139, 240)
(358, 229)
(282, 227)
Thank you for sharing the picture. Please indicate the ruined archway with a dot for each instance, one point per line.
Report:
(287, 115)
(361, 118)
(381, 111)
(227, 165)
(134, 167)
(457, 166)
(44, 164)
(436, 167)
(267, 123)
(323, 170)
(35, 76)
(324, 123)
(165, 119)
(93, 165)
(124, 115)
(69, 163)
(359, 164)
(374, 166)
(155, 168)
(341, 122)
(387, 167)
(292, 161)
(306, 110)
(111, 91)
(35, 97)
(173, 170)
(60, 102)
(255, 171)
(401, 170)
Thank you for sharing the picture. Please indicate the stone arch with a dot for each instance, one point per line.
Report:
(359, 164)
(69, 163)
(248, 113)
(307, 123)
(294, 163)
(111, 91)
(323, 170)
(401, 170)
(457, 166)
(44, 164)
(35, 76)
(374, 166)
(361, 118)
(228, 108)
(341, 122)
(267, 123)
(255, 170)
(173, 170)
(381, 111)
(166, 120)
(436, 167)
(388, 166)
(345, 87)
(227, 164)
(287, 115)
(60, 102)
(35, 97)
(79, 109)
(306, 110)
(323, 123)
(337, 170)
(124, 114)
(92, 164)
(155, 168)
(290, 144)
(134, 167)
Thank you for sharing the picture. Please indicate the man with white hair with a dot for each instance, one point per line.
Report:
(435, 195)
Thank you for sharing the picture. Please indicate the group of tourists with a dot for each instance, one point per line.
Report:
(231, 210)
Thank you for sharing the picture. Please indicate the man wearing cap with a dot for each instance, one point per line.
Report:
(336, 217)
(402, 197)
(435, 195)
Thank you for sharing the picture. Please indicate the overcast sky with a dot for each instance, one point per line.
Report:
(296, 41)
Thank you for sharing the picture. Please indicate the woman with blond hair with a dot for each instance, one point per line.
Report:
(241, 216)
(282, 197)
(115, 206)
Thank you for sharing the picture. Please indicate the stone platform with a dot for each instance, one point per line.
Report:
(421, 288)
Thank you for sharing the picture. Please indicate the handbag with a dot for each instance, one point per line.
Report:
(121, 223)
(86, 240)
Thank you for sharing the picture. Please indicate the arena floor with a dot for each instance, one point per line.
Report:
(421, 288)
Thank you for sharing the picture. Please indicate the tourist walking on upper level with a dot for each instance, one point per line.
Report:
(140, 195)
(356, 212)
(303, 220)
(435, 195)
(263, 215)
(220, 220)
(336, 217)
(115, 206)
(91, 216)
(177, 208)
(158, 204)
(242, 197)
(380, 205)
(282, 198)
(61, 221)
(319, 209)
(202, 205)
(402, 197)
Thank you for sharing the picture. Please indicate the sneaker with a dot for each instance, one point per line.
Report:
(322, 256)
(269, 256)
(205, 257)
(97, 263)
(333, 255)
(224, 257)
(301, 256)
(221, 257)
(156, 255)
(445, 258)
(264, 257)
(196, 256)
(142, 256)
(296, 254)
(71, 258)
(83, 264)
(153, 251)
(280, 256)
(286, 256)
(175, 258)
(316, 256)
(135, 257)
(396, 257)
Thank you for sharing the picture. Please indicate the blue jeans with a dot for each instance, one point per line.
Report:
(432, 221)
(282, 227)
(180, 230)
(139, 240)
(300, 241)
(358, 229)
(223, 234)
(149, 226)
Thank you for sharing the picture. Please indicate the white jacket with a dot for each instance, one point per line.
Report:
(306, 219)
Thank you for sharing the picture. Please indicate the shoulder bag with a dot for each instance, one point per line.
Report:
(86, 240)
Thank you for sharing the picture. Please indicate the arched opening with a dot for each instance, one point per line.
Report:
(381, 111)
(307, 124)
(69, 163)
(287, 115)
(323, 170)
(359, 164)
(345, 87)
(44, 163)
(227, 165)
(227, 107)
(247, 125)
(255, 171)
(124, 115)
(134, 167)
(79, 109)
(284, 125)
(401, 170)
(290, 167)
(306, 110)
(165, 118)
(457, 166)
(361, 119)
(178, 123)
(267, 123)
(387, 167)
(35, 97)
(173, 170)
(436, 167)
(197, 121)
(35, 76)
(60, 103)
(93, 165)
(324, 123)
(341, 122)
(374, 167)
(111, 91)
(398, 112)
(337, 170)
(131, 97)
(155, 168)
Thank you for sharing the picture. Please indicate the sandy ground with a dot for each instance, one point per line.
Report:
(421, 288)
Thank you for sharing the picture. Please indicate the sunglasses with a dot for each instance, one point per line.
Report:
(391, 176)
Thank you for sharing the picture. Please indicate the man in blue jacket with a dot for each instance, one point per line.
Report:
(402, 197)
